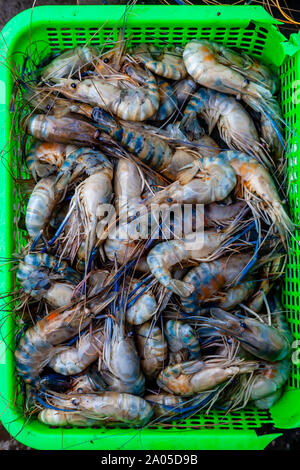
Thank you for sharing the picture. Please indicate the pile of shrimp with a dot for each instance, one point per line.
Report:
(156, 235)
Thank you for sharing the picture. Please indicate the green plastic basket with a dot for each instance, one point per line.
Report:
(56, 28)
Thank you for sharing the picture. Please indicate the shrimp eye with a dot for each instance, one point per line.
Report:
(169, 199)
(75, 402)
(73, 85)
(48, 107)
(80, 390)
(243, 324)
(106, 60)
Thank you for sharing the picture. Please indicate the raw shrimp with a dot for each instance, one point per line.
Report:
(184, 90)
(182, 341)
(128, 186)
(202, 63)
(220, 215)
(152, 348)
(165, 62)
(168, 102)
(55, 418)
(257, 188)
(131, 103)
(167, 254)
(34, 277)
(107, 407)
(68, 63)
(269, 379)
(41, 205)
(235, 125)
(45, 158)
(63, 130)
(143, 308)
(164, 404)
(265, 342)
(87, 220)
(71, 360)
(188, 378)
(36, 347)
(120, 357)
(209, 278)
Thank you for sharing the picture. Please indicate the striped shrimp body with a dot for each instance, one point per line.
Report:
(81, 160)
(188, 378)
(35, 276)
(57, 418)
(165, 62)
(121, 360)
(209, 278)
(69, 62)
(152, 348)
(131, 103)
(182, 341)
(40, 206)
(107, 407)
(168, 102)
(36, 347)
(45, 158)
(270, 343)
(75, 359)
(165, 255)
(235, 125)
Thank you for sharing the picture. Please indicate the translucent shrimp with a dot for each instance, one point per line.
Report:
(36, 278)
(222, 215)
(167, 254)
(69, 62)
(64, 130)
(257, 188)
(106, 407)
(132, 103)
(166, 62)
(75, 359)
(120, 357)
(40, 206)
(209, 278)
(235, 125)
(45, 158)
(57, 418)
(188, 378)
(153, 349)
(182, 341)
(263, 341)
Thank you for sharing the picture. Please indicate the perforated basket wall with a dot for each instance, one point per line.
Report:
(48, 30)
